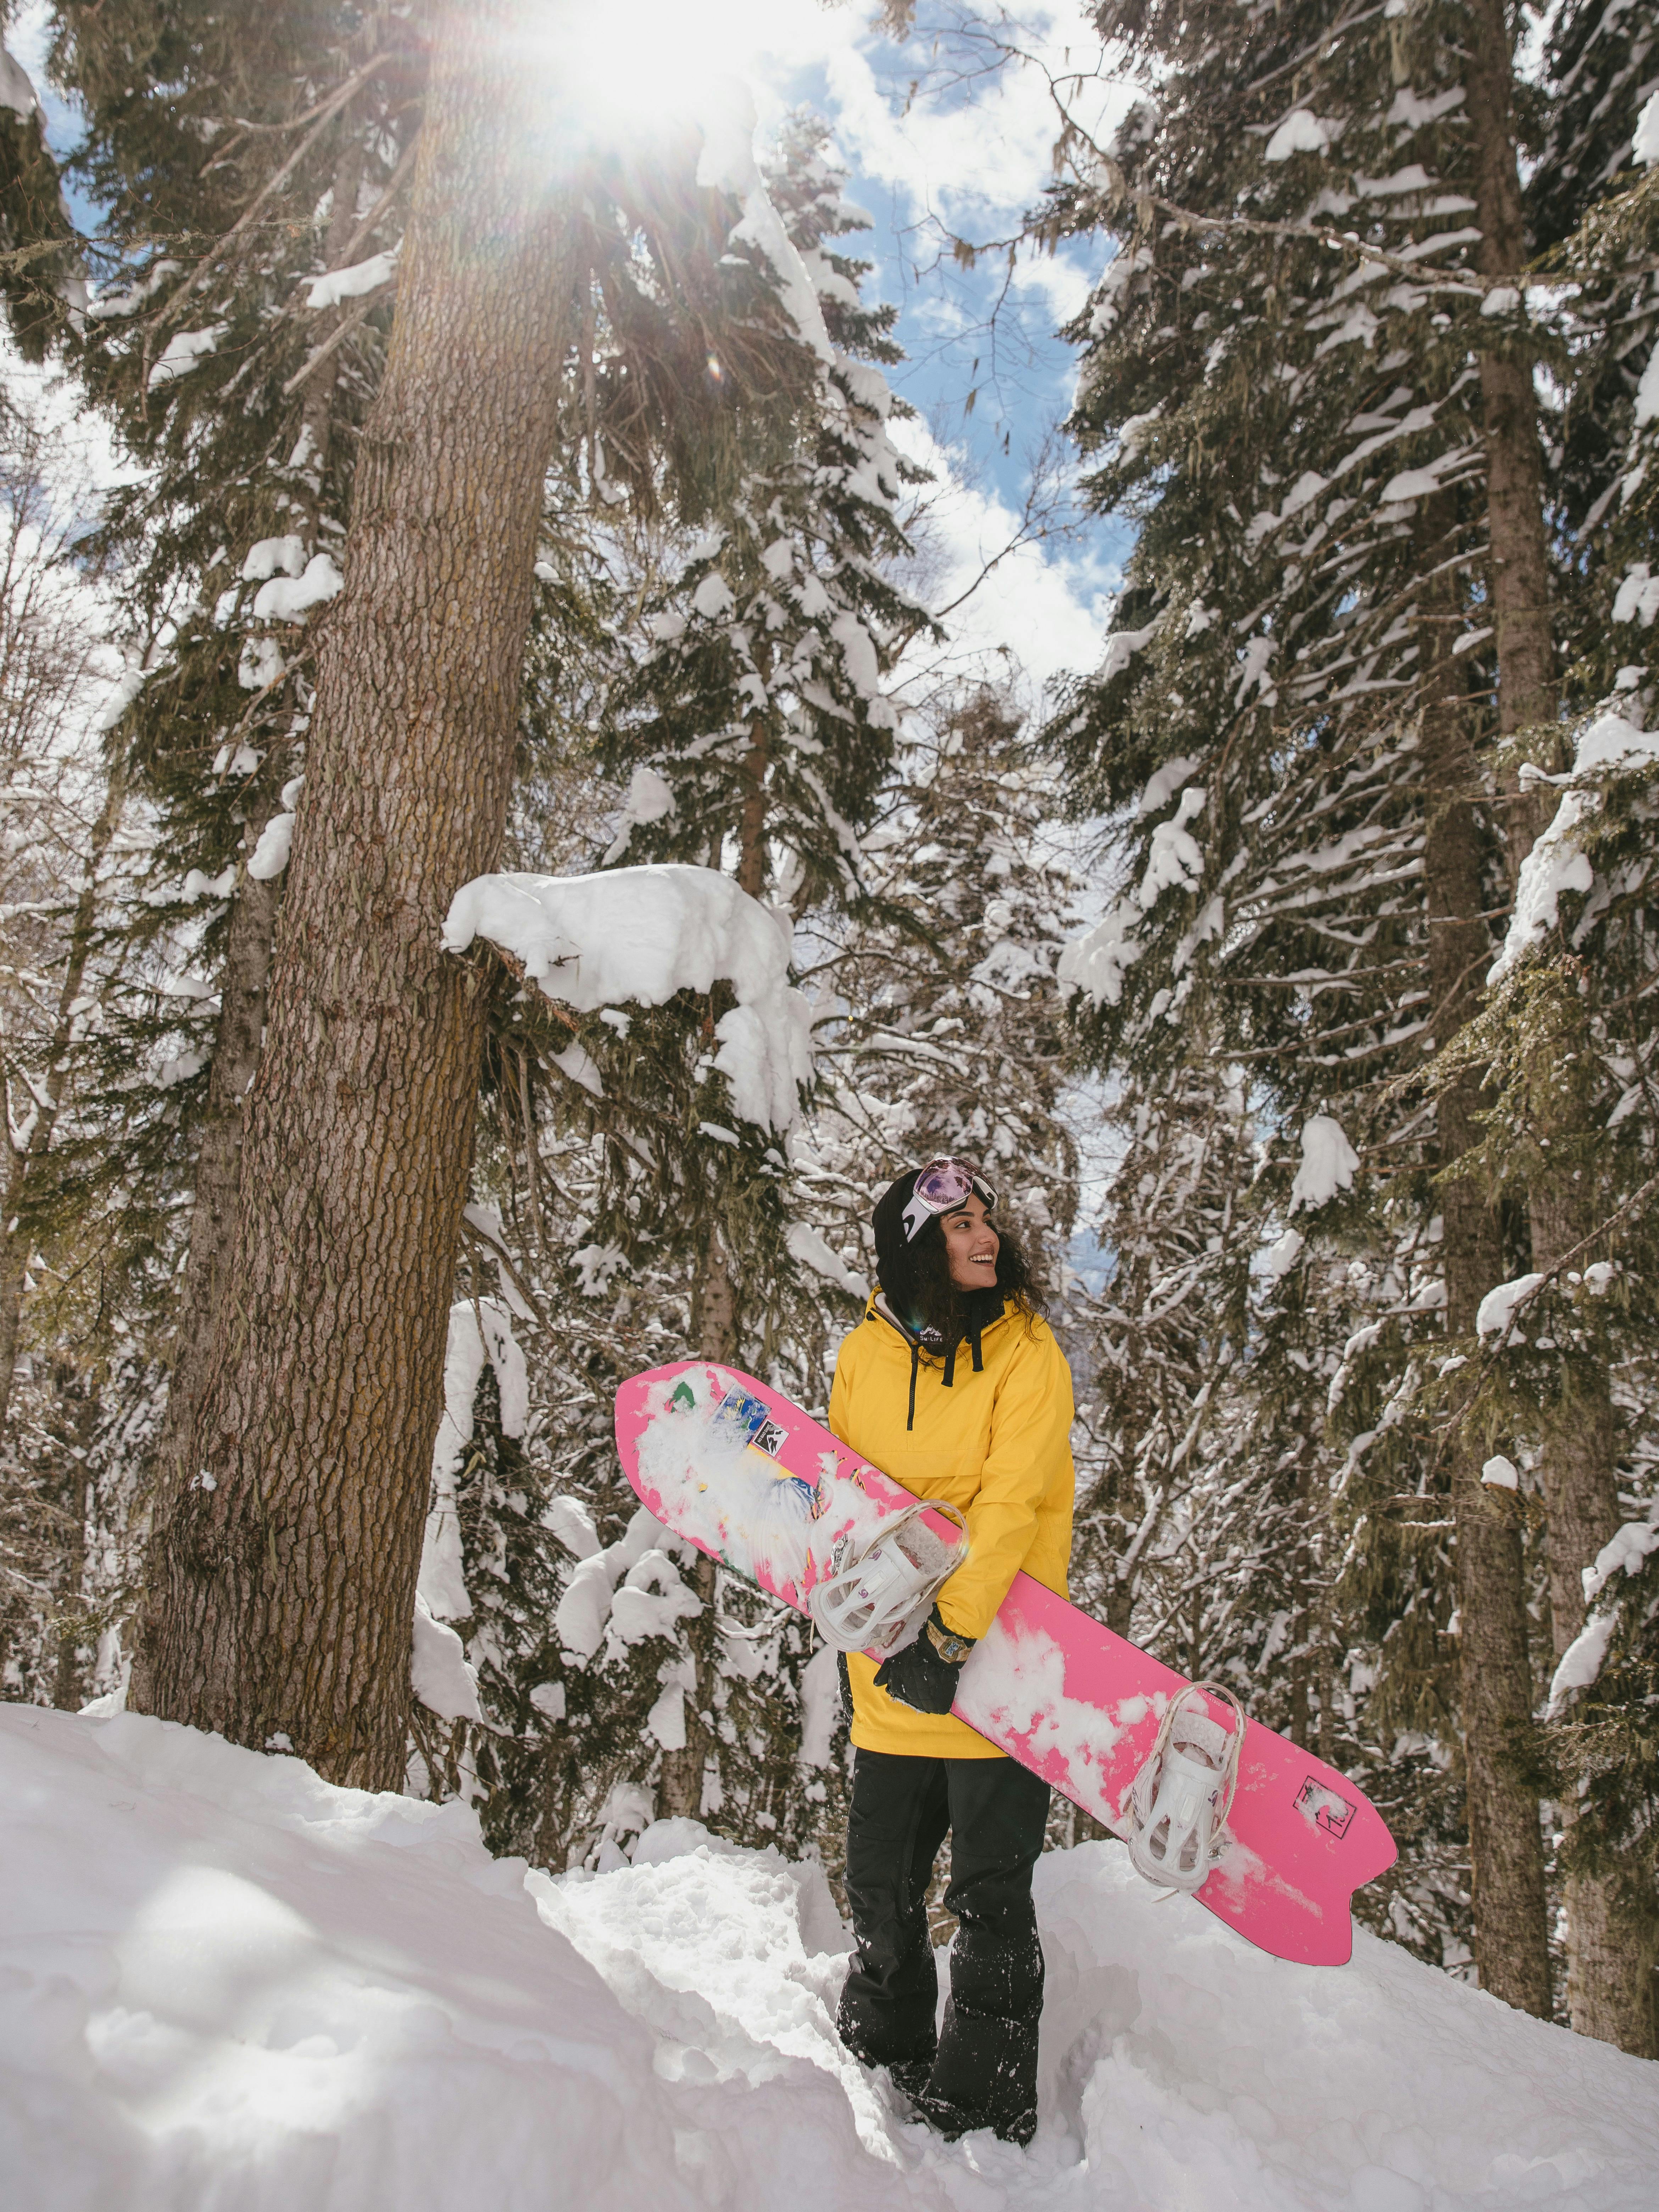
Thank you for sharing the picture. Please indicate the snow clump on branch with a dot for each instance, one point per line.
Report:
(1329, 1162)
(1175, 860)
(285, 598)
(1499, 1308)
(1299, 133)
(1637, 598)
(353, 283)
(644, 934)
(1610, 746)
(1582, 1662)
(1097, 964)
(727, 164)
(650, 798)
(184, 349)
(479, 1329)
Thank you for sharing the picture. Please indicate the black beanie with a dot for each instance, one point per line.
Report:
(894, 1268)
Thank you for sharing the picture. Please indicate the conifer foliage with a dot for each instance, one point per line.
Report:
(1309, 371)
(647, 1208)
(495, 491)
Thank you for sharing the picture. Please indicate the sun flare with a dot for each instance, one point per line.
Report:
(635, 68)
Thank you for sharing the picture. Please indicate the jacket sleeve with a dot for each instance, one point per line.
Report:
(1031, 1448)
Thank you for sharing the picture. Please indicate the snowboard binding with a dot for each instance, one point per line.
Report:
(1179, 1802)
(877, 1602)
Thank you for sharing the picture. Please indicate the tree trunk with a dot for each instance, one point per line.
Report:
(202, 1299)
(1495, 1679)
(1608, 1992)
(78, 1406)
(281, 1573)
(1519, 579)
(26, 1159)
(751, 826)
(202, 1292)
(714, 1326)
(1610, 1950)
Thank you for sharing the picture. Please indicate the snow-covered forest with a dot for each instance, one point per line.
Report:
(516, 828)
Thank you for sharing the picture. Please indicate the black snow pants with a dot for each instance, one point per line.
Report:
(980, 2071)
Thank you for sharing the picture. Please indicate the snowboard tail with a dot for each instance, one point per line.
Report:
(751, 1479)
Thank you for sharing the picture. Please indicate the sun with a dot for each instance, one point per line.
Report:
(630, 69)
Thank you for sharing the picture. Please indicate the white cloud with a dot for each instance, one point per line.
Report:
(986, 148)
(975, 160)
(1060, 281)
(973, 163)
(1047, 602)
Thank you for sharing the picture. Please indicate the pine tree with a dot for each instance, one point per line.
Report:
(483, 440)
(755, 733)
(224, 541)
(1571, 1127)
(147, 1145)
(38, 271)
(1585, 209)
(946, 1037)
(751, 733)
(756, 727)
(1324, 451)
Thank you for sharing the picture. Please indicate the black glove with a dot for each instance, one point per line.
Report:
(920, 1676)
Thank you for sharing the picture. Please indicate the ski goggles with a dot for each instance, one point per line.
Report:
(940, 1188)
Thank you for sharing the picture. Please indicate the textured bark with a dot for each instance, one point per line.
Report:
(1609, 1990)
(1610, 1967)
(26, 1161)
(683, 1770)
(1519, 579)
(203, 1290)
(751, 824)
(715, 1327)
(78, 1410)
(1495, 1678)
(1610, 1948)
(752, 829)
(251, 937)
(279, 1600)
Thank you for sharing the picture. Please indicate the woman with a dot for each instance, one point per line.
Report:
(954, 1385)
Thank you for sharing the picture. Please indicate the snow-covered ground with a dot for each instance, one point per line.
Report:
(225, 1984)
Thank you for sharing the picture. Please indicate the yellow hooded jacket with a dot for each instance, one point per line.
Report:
(997, 1443)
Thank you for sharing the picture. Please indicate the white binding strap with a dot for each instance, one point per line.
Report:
(878, 1601)
(1180, 1800)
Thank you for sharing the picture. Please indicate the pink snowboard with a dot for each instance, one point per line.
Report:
(748, 1479)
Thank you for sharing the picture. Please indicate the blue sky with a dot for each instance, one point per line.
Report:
(934, 150)
(937, 149)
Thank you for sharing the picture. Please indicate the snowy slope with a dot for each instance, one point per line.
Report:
(223, 1983)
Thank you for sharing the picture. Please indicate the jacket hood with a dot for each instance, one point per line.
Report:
(985, 1309)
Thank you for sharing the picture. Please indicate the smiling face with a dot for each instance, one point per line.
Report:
(970, 1245)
